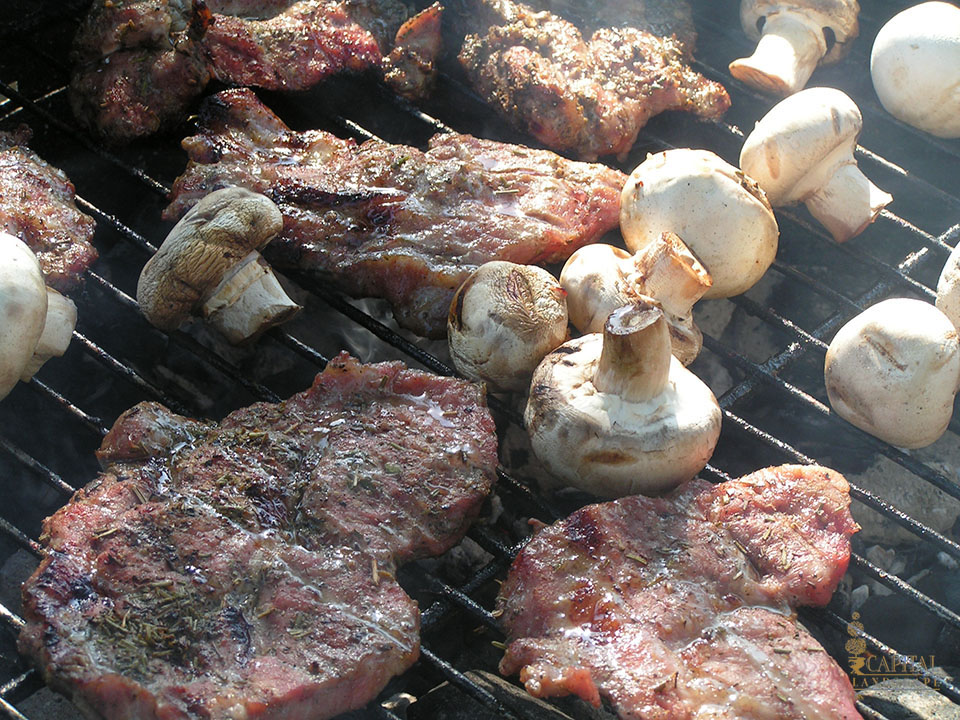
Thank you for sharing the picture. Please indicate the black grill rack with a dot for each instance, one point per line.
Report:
(770, 389)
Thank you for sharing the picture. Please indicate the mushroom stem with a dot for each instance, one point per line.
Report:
(786, 56)
(635, 361)
(848, 202)
(669, 272)
(58, 327)
(248, 301)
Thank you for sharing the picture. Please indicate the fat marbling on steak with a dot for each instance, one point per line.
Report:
(589, 97)
(681, 607)
(138, 65)
(245, 568)
(38, 205)
(392, 221)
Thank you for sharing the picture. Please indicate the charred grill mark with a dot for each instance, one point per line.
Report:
(239, 630)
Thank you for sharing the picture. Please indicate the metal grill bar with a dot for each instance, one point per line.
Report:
(462, 598)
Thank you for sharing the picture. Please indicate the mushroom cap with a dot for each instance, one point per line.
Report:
(721, 214)
(948, 288)
(213, 237)
(23, 309)
(893, 371)
(596, 283)
(503, 319)
(608, 446)
(915, 67)
(840, 16)
(795, 146)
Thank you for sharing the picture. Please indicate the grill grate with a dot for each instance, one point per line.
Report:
(898, 255)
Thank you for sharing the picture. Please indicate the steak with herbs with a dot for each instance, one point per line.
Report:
(246, 568)
(139, 65)
(682, 607)
(392, 221)
(38, 205)
(589, 97)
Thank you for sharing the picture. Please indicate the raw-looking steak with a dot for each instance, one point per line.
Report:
(681, 608)
(245, 569)
(589, 97)
(138, 65)
(386, 459)
(391, 221)
(38, 205)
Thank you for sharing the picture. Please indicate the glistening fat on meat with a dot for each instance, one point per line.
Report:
(245, 568)
(673, 608)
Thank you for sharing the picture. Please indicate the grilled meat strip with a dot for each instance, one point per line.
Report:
(139, 65)
(587, 97)
(681, 607)
(38, 205)
(245, 568)
(391, 221)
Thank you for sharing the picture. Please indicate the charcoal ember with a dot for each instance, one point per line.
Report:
(910, 699)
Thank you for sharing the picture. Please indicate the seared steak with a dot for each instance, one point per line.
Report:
(391, 221)
(681, 607)
(139, 65)
(588, 97)
(244, 569)
(38, 205)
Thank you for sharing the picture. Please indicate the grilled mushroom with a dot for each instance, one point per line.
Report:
(722, 215)
(802, 151)
(893, 371)
(617, 414)
(601, 278)
(915, 66)
(36, 323)
(793, 37)
(209, 265)
(948, 288)
(503, 320)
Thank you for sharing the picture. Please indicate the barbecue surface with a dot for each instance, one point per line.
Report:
(763, 358)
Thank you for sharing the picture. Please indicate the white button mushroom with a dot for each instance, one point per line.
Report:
(893, 371)
(915, 67)
(802, 151)
(601, 278)
(209, 264)
(721, 215)
(948, 288)
(617, 414)
(792, 39)
(36, 323)
(503, 319)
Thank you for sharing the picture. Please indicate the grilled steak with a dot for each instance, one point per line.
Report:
(681, 607)
(244, 569)
(391, 221)
(38, 205)
(393, 461)
(589, 97)
(139, 65)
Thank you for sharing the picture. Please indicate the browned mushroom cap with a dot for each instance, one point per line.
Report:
(215, 240)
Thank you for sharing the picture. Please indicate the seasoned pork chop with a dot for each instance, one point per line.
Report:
(245, 568)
